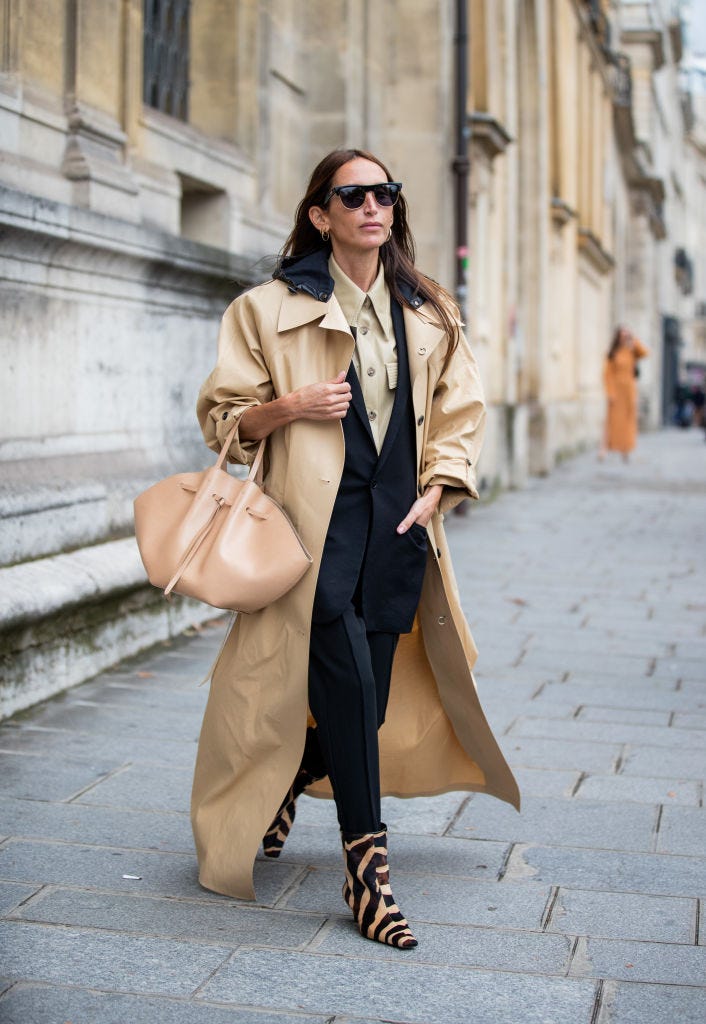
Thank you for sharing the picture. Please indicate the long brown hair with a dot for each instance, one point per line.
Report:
(397, 253)
(615, 343)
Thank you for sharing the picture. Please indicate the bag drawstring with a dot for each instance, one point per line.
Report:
(196, 543)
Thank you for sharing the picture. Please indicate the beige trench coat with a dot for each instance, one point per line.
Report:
(435, 737)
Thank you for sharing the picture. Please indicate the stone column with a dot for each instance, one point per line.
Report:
(95, 159)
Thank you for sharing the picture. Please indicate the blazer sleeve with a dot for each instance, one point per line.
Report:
(240, 380)
(639, 350)
(456, 428)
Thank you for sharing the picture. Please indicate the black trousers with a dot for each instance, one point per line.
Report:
(349, 684)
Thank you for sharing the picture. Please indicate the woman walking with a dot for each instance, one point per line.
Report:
(353, 366)
(619, 373)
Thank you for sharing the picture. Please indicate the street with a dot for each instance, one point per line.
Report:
(586, 593)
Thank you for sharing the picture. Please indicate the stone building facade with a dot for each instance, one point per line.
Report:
(152, 154)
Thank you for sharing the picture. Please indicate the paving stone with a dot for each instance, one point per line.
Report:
(59, 744)
(417, 993)
(599, 642)
(321, 848)
(616, 666)
(143, 787)
(42, 778)
(648, 873)
(691, 721)
(657, 962)
(527, 752)
(40, 1004)
(608, 690)
(418, 815)
(34, 952)
(538, 782)
(135, 721)
(145, 694)
(632, 716)
(585, 694)
(653, 1004)
(225, 924)
(98, 826)
(12, 894)
(501, 950)
(163, 874)
(608, 732)
(663, 762)
(617, 915)
(315, 812)
(683, 830)
(693, 693)
(621, 789)
(435, 898)
(560, 823)
(422, 815)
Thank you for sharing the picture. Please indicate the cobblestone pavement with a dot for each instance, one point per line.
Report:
(587, 596)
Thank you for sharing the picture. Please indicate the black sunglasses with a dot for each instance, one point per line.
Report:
(353, 196)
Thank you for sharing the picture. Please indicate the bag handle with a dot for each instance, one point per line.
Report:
(254, 474)
(256, 468)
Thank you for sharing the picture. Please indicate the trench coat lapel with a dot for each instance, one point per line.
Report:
(402, 391)
(298, 309)
(422, 338)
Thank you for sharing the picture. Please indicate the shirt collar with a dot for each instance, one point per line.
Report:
(351, 297)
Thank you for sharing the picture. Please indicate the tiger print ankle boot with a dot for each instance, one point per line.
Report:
(367, 890)
(276, 835)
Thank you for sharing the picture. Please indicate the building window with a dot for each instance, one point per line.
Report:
(166, 56)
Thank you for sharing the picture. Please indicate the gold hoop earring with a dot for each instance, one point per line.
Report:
(325, 235)
(389, 235)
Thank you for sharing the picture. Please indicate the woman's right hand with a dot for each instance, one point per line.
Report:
(327, 400)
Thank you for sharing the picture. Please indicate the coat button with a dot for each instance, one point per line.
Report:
(420, 421)
(469, 462)
(323, 296)
(441, 620)
(422, 351)
(371, 371)
(224, 416)
(363, 330)
(372, 415)
(373, 484)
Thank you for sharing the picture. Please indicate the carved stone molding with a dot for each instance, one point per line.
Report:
(594, 252)
(95, 158)
(650, 35)
(487, 133)
(561, 212)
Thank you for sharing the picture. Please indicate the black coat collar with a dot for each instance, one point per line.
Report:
(309, 274)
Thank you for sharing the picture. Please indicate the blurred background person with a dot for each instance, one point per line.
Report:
(620, 371)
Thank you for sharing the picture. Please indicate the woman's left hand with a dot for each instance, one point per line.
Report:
(423, 509)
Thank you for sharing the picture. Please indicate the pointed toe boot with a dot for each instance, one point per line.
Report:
(367, 890)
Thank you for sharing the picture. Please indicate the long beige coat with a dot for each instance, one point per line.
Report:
(435, 738)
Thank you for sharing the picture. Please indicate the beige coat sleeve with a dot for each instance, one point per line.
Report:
(239, 381)
(456, 428)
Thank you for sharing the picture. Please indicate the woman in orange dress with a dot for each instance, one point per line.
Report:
(619, 373)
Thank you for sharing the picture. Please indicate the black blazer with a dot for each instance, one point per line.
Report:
(365, 560)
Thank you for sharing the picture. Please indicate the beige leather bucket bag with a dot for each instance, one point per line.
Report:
(219, 539)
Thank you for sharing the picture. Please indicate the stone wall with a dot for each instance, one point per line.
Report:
(127, 230)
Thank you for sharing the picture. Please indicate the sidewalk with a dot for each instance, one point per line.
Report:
(587, 597)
